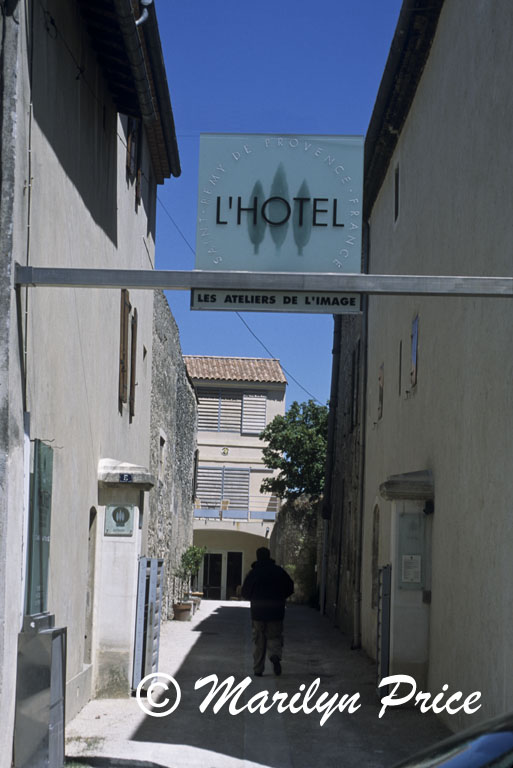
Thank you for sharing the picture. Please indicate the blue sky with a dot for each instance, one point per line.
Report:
(236, 67)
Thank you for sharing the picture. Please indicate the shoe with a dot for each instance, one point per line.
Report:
(258, 674)
(276, 665)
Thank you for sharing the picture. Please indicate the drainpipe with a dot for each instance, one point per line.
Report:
(135, 53)
(144, 15)
(332, 418)
(357, 595)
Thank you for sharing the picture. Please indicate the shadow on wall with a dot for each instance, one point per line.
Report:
(74, 110)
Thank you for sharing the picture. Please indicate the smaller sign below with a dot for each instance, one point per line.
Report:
(333, 303)
(411, 569)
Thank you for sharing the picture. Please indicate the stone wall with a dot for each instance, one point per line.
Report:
(344, 523)
(173, 443)
(294, 547)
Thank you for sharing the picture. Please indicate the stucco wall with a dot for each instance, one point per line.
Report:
(12, 485)
(173, 442)
(455, 183)
(75, 207)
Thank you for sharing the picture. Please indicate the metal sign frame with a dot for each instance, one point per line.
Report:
(178, 280)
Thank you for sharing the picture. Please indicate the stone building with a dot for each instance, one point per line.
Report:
(237, 398)
(434, 498)
(340, 525)
(173, 444)
(87, 134)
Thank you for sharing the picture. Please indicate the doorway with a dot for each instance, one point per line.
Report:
(212, 572)
(233, 574)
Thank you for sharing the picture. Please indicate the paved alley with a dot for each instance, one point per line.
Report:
(218, 640)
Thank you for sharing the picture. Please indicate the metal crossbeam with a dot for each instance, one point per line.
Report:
(174, 280)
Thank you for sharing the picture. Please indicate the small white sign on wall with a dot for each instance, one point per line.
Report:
(411, 569)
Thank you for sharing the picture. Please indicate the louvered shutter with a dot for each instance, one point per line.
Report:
(208, 410)
(209, 486)
(123, 346)
(236, 488)
(133, 367)
(231, 411)
(253, 413)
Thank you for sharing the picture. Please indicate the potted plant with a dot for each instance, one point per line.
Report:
(182, 608)
(190, 562)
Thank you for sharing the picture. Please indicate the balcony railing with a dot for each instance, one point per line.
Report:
(259, 507)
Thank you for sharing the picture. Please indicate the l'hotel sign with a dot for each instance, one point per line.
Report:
(269, 203)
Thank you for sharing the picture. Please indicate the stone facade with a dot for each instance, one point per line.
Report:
(173, 443)
(294, 546)
(341, 508)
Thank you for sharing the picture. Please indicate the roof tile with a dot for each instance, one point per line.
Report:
(258, 369)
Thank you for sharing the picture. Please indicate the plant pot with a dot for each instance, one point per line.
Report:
(196, 601)
(182, 611)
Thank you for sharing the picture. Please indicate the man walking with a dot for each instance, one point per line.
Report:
(267, 586)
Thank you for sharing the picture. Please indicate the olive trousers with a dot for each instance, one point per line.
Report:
(267, 637)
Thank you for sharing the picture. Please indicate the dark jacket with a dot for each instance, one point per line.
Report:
(267, 586)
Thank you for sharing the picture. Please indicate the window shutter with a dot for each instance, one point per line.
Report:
(123, 346)
(209, 486)
(131, 146)
(208, 410)
(231, 411)
(236, 487)
(219, 411)
(253, 413)
(216, 484)
(133, 366)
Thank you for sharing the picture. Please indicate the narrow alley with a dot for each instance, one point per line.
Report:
(218, 641)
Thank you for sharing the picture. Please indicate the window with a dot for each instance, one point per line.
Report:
(381, 386)
(396, 193)
(132, 141)
(127, 355)
(414, 350)
(38, 550)
(133, 366)
(123, 347)
(162, 456)
(253, 413)
(375, 558)
(134, 155)
(227, 485)
(228, 410)
(400, 365)
(355, 380)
